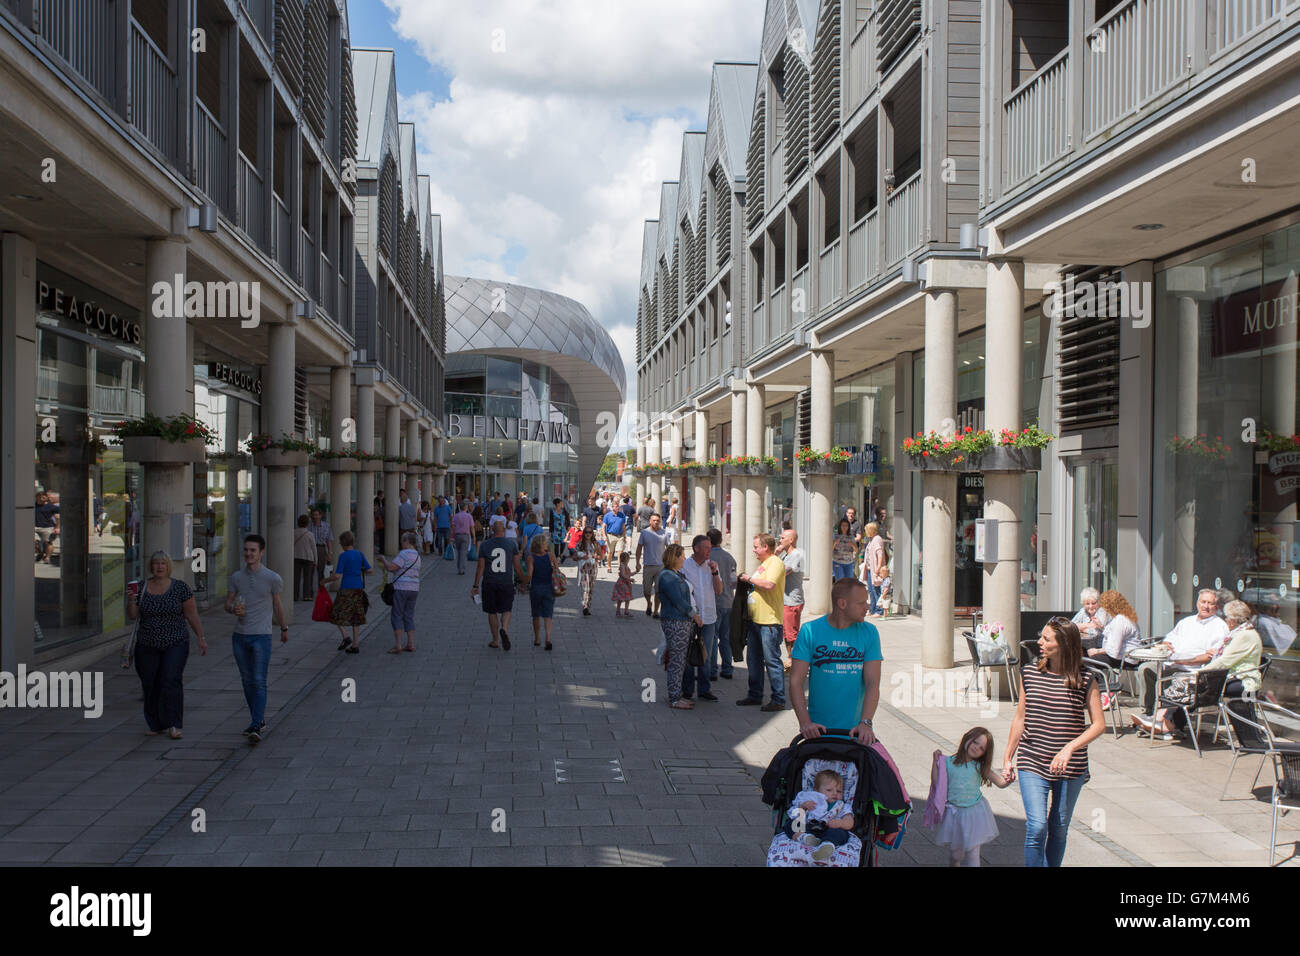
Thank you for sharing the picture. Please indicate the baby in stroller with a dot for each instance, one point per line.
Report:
(821, 818)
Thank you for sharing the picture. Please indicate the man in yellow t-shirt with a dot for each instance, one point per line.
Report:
(763, 643)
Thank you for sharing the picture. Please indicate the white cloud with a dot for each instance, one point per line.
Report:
(548, 156)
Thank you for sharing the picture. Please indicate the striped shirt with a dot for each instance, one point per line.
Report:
(1054, 715)
(321, 532)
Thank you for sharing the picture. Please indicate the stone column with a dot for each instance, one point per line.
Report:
(440, 456)
(1279, 407)
(1185, 408)
(939, 507)
(638, 483)
(365, 529)
(1003, 403)
(415, 450)
(168, 488)
(755, 513)
(392, 479)
(341, 423)
(700, 478)
(18, 371)
(277, 419)
(654, 456)
(821, 488)
(739, 546)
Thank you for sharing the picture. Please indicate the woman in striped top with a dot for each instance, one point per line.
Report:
(1059, 714)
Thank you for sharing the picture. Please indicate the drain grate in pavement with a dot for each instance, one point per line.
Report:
(195, 753)
(589, 770)
(707, 776)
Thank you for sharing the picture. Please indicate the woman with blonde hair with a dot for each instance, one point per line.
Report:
(875, 568)
(1120, 634)
(164, 606)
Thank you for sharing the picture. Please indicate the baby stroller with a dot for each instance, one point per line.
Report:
(793, 770)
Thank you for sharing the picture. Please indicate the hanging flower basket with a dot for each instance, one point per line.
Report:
(814, 462)
(979, 450)
(750, 466)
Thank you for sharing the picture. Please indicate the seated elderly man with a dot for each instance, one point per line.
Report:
(1092, 618)
(1192, 644)
(1240, 655)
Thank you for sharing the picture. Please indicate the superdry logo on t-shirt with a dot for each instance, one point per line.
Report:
(824, 654)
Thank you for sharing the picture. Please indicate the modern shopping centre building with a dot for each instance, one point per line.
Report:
(864, 244)
(241, 150)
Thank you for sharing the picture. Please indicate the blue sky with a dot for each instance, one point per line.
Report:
(547, 126)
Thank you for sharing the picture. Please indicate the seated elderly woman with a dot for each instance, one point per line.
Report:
(1240, 654)
(1120, 635)
(1091, 617)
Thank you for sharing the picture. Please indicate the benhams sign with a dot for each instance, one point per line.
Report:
(521, 429)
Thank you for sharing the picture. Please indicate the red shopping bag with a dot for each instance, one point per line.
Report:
(324, 606)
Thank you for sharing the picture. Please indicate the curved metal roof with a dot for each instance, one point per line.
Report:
(528, 319)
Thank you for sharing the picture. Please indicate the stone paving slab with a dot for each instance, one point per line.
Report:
(449, 757)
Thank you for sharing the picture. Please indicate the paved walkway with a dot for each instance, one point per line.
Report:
(460, 754)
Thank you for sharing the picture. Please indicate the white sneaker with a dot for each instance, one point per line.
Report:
(824, 852)
(807, 839)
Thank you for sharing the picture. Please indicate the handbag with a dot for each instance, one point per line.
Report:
(386, 594)
(323, 609)
(558, 585)
(473, 551)
(695, 653)
(128, 649)
(449, 554)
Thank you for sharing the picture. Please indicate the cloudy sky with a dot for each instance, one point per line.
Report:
(547, 126)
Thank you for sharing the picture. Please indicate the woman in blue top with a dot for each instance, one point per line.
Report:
(540, 572)
(678, 619)
(351, 604)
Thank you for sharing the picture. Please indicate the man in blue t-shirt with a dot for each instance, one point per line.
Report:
(614, 525)
(441, 525)
(838, 658)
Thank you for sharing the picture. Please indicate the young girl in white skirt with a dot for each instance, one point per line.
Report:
(968, 820)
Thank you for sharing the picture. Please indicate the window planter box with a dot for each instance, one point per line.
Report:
(373, 465)
(231, 463)
(149, 450)
(341, 464)
(997, 459)
(279, 458)
(749, 471)
(394, 468)
(821, 466)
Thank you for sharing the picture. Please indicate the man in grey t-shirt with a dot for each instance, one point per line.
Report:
(405, 512)
(727, 571)
(651, 543)
(253, 596)
(498, 569)
(796, 565)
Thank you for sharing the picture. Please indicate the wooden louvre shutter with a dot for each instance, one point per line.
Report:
(755, 166)
(898, 22)
(1087, 358)
(796, 120)
(348, 121)
(826, 76)
(289, 26)
(316, 67)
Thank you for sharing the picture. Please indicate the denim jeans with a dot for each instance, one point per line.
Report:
(1046, 830)
(700, 675)
(763, 651)
(873, 594)
(724, 645)
(161, 673)
(252, 655)
(440, 538)
(841, 570)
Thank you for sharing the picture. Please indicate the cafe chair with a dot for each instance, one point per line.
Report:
(976, 665)
(1205, 697)
(1264, 664)
(1109, 681)
(1257, 737)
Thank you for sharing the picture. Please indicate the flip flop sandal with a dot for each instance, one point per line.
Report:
(394, 650)
(409, 650)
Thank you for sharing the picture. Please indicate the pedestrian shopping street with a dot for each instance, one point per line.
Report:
(463, 755)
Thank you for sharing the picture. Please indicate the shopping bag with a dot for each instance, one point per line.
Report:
(324, 606)
(449, 554)
(473, 552)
